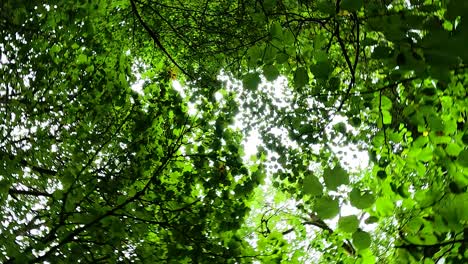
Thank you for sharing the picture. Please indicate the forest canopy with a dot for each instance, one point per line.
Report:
(220, 131)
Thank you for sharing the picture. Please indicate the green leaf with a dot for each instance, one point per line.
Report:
(349, 223)
(270, 72)
(463, 158)
(453, 149)
(384, 206)
(321, 69)
(453, 209)
(269, 54)
(276, 30)
(312, 186)
(335, 177)
(326, 207)
(334, 83)
(340, 127)
(465, 138)
(90, 68)
(382, 174)
(288, 37)
(355, 121)
(352, 5)
(381, 52)
(361, 240)
(301, 77)
(361, 201)
(67, 180)
(281, 58)
(371, 220)
(4, 186)
(55, 49)
(76, 136)
(82, 59)
(269, 4)
(385, 103)
(254, 54)
(320, 55)
(435, 123)
(58, 194)
(430, 91)
(251, 81)
(426, 154)
(387, 117)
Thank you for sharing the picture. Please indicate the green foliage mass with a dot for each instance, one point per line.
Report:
(93, 170)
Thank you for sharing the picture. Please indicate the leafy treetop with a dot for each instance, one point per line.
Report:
(93, 171)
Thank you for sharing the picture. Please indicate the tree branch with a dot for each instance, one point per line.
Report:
(156, 39)
(315, 221)
(352, 68)
(407, 246)
(28, 192)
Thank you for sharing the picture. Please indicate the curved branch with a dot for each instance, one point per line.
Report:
(28, 192)
(156, 39)
(407, 246)
(315, 221)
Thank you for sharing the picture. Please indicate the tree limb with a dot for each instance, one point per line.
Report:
(28, 192)
(450, 242)
(156, 39)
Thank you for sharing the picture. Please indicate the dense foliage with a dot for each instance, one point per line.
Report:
(96, 170)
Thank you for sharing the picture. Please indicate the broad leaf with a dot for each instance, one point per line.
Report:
(321, 70)
(335, 177)
(361, 200)
(312, 186)
(349, 223)
(270, 72)
(384, 206)
(463, 158)
(276, 30)
(251, 81)
(361, 240)
(326, 207)
(301, 77)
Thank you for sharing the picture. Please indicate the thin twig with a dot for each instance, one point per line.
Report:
(157, 41)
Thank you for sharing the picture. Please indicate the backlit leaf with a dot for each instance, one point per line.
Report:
(326, 207)
(312, 186)
(335, 177)
(251, 81)
(361, 200)
(270, 72)
(463, 158)
(361, 240)
(301, 77)
(384, 206)
(276, 30)
(349, 223)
